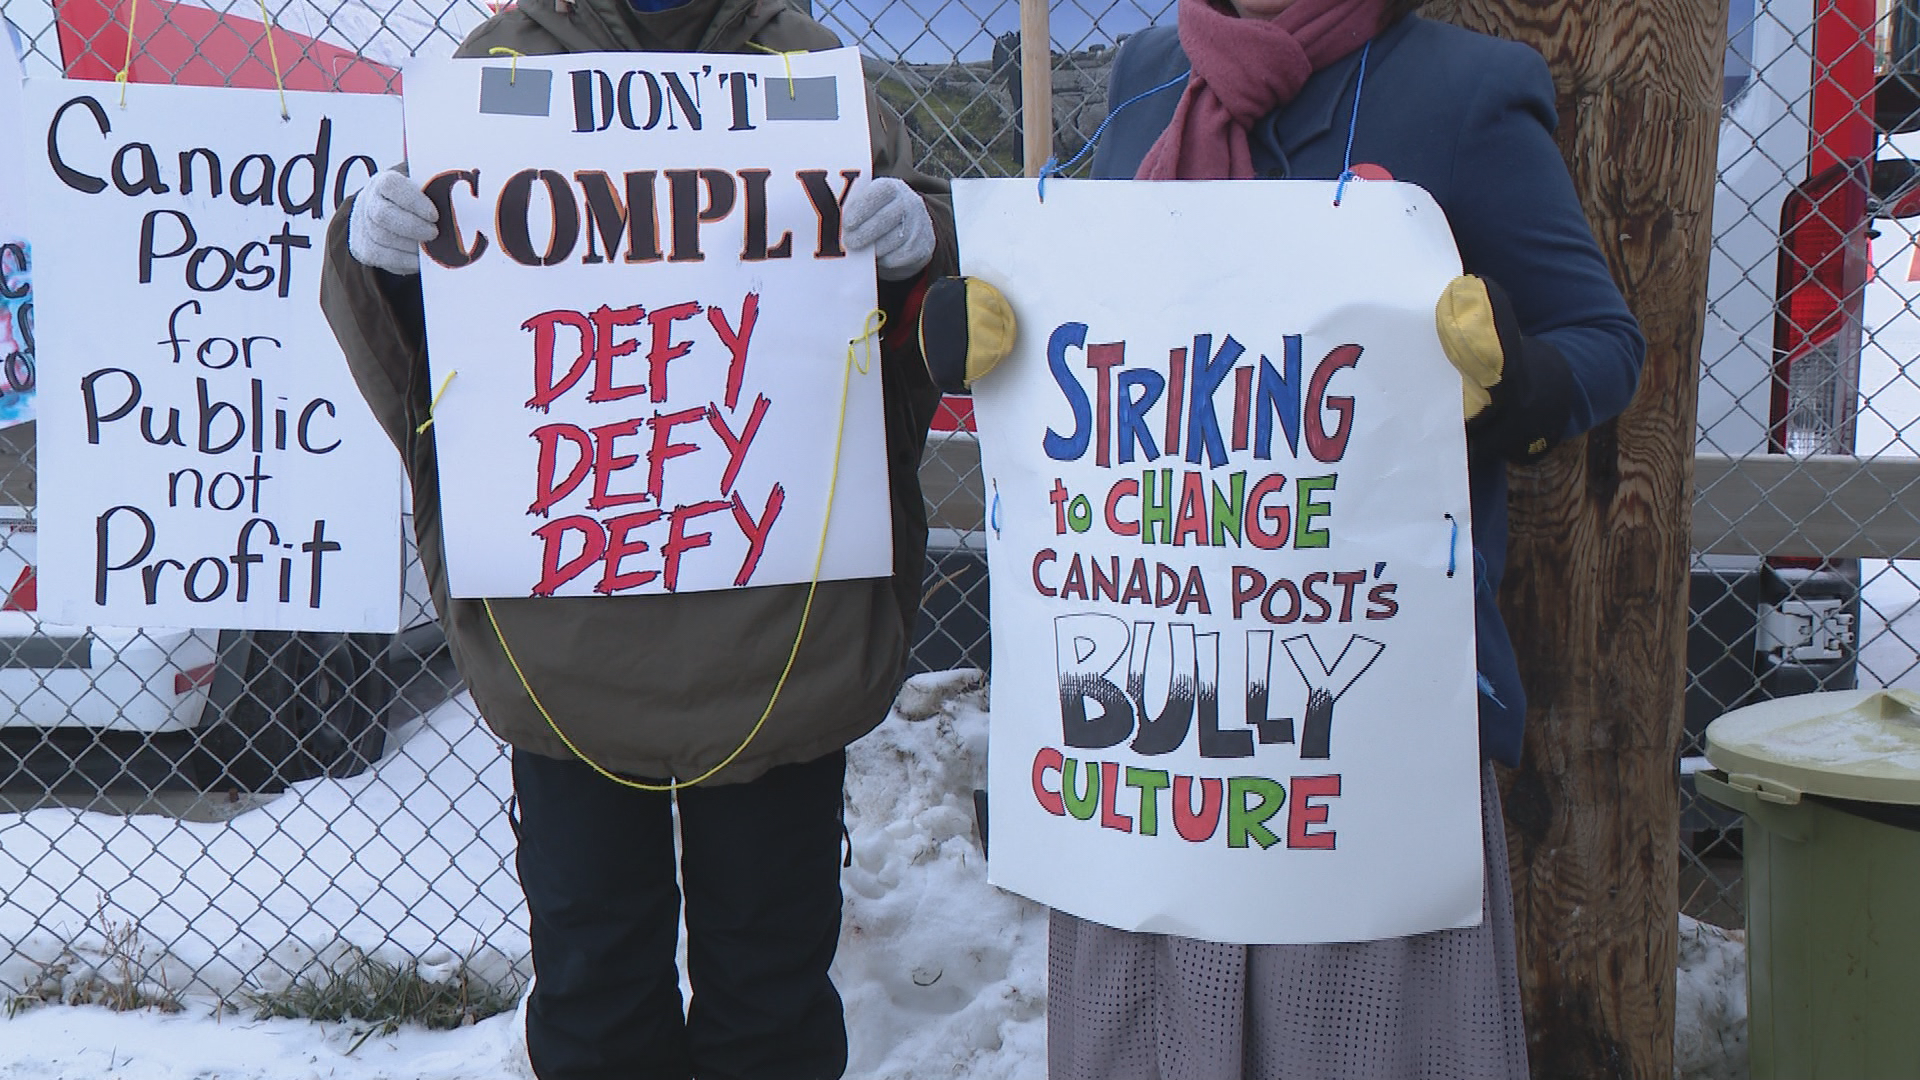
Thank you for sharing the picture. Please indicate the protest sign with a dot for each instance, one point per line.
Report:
(16, 256)
(1233, 662)
(205, 458)
(639, 310)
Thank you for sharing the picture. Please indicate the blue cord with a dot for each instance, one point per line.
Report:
(1353, 125)
(1053, 166)
(1453, 544)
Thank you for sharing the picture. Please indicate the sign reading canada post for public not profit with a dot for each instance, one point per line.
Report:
(639, 311)
(1233, 658)
(204, 456)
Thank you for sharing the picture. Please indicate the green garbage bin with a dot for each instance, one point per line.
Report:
(1830, 786)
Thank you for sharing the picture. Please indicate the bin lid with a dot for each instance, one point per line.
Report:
(1848, 744)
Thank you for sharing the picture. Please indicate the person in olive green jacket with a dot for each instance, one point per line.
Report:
(663, 688)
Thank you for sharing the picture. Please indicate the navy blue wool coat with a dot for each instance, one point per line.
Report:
(1469, 118)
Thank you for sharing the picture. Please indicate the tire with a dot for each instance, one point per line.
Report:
(286, 707)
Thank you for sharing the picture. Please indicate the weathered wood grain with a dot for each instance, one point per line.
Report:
(1596, 589)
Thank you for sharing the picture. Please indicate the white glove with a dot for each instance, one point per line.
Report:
(891, 218)
(391, 219)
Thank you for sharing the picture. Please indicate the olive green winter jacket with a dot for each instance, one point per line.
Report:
(665, 686)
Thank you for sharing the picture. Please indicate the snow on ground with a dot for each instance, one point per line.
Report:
(943, 975)
(1710, 1004)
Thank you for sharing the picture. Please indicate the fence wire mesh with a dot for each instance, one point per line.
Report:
(215, 811)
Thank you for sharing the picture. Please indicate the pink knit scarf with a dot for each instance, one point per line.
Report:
(1243, 69)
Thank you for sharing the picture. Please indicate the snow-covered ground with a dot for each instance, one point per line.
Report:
(942, 974)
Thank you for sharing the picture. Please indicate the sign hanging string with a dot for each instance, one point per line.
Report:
(785, 58)
(513, 67)
(133, 14)
(273, 57)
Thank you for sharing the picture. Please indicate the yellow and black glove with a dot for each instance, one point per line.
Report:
(1516, 390)
(966, 328)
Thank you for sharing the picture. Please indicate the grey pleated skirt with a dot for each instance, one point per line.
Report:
(1440, 1006)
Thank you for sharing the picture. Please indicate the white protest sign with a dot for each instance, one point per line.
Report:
(205, 458)
(16, 255)
(639, 311)
(1233, 662)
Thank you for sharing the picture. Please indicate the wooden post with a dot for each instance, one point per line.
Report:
(1596, 591)
(1036, 84)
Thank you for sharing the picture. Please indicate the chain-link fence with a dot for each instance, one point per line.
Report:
(1805, 465)
(220, 809)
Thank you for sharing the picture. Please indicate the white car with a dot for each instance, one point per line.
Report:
(107, 679)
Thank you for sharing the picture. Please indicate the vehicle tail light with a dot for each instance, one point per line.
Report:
(192, 678)
(1816, 338)
(25, 594)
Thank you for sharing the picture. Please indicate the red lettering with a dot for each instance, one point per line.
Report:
(1110, 783)
(1259, 515)
(1242, 405)
(680, 541)
(1048, 760)
(1103, 359)
(1191, 519)
(756, 531)
(606, 351)
(1248, 585)
(545, 327)
(737, 445)
(665, 349)
(1196, 826)
(1041, 558)
(553, 572)
(545, 491)
(1123, 489)
(665, 449)
(1347, 580)
(606, 462)
(1322, 445)
(1301, 813)
(736, 342)
(619, 547)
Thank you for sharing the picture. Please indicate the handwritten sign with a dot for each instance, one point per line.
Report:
(1233, 663)
(639, 311)
(205, 458)
(16, 257)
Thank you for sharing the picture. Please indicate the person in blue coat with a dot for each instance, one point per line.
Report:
(1320, 89)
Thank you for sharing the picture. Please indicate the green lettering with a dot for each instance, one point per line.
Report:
(1226, 509)
(1304, 535)
(1245, 821)
(1081, 804)
(1151, 783)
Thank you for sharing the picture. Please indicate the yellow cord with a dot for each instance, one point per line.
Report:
(875, 322)
(785, 58)
(273, 55)
(513, 68)
(435, 403)
(133, 13)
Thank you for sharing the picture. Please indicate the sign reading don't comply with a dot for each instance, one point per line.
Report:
(639, 310)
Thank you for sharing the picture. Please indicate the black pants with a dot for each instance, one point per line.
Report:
(760, 863)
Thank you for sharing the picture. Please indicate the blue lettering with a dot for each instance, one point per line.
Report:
(1073, 447)
(1203, 426)
(1133, 411)
(1278, 395)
